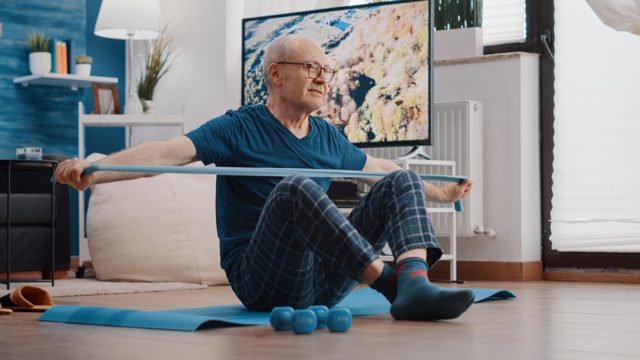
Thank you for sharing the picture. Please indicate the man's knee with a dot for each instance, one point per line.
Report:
(293, 185)
(402, 177)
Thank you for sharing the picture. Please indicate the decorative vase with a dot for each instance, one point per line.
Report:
(40, 63)
(148, 106)
(458, 43)
(133, 105)
(83, 69)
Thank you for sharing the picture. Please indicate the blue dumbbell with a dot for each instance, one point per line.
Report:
(322, 313)
(304, 321)
(339, 320)
(281, 317)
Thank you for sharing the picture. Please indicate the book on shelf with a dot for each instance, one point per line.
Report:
(53, 48)
(62, 57)
(58, 58)
(63, 54)
(71, 56)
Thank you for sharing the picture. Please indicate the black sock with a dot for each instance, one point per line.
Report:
(419, 299)
(386, 283)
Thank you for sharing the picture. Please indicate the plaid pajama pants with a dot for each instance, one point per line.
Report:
(304, 251)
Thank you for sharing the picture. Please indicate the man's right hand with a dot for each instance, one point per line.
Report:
(70, 172)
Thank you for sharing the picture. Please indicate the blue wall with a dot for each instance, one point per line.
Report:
(47, 116)
(37, 115)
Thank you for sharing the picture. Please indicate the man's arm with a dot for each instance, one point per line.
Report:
(449, 193)
(176, 151)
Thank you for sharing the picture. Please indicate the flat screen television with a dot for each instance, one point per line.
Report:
(381, 95)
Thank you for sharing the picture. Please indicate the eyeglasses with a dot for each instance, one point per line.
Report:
(314, 70)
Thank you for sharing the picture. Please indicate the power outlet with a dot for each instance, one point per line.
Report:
(0, 29)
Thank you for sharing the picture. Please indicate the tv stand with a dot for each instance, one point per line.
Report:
(417, 152)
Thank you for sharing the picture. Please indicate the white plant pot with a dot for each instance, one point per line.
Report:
(150, 106)
(458, 43)
(133, 105)
(83, 69)
(40, 63)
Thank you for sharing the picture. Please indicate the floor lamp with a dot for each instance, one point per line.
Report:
(129, 20)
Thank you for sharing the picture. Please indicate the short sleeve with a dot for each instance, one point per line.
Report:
(214, 140)
(352, 158)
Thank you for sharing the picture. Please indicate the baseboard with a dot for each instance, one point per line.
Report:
(490, 270)
(467, 270)
(75, 262)
(34, 275)
(581, 276)
(41, 275)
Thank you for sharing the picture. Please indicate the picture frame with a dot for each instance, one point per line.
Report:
(105, 99)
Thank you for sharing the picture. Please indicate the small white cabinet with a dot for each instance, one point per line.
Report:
(450, 169)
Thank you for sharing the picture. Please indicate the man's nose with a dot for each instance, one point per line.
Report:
(320, 78)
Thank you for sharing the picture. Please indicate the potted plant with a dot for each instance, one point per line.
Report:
(458, 25)
(157, 63)
(39, 55)
(83, 65)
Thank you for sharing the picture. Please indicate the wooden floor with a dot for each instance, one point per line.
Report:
(549, 320)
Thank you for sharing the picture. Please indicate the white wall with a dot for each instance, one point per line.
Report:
(508, 88)
(205, 80)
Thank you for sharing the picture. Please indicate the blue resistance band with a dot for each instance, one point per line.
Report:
(266, 172)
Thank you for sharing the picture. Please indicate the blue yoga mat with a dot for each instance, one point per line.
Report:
(360, 302)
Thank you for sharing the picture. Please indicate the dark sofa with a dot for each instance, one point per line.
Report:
(31, 220)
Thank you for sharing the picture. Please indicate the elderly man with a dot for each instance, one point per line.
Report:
(282, 241)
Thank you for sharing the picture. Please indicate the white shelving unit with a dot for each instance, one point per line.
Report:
(409, 164)
(449, 209)
(71, 80)
(127, 121)
(451, 256)
(115, 120)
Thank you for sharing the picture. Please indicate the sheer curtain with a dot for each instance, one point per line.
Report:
(504, 21)
(596, 167)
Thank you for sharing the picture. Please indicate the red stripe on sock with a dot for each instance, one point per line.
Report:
(418, 272)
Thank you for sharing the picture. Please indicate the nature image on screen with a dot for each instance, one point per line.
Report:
(381, 91)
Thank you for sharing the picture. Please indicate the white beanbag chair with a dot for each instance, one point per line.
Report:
(161, 228)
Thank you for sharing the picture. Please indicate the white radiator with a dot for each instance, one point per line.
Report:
(457, 136)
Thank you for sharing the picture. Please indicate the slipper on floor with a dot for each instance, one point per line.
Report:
(4, 311)
(27, 298)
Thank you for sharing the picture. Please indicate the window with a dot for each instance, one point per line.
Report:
(596, 176)
(504, 22)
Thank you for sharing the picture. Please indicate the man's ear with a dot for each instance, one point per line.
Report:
(275, 75)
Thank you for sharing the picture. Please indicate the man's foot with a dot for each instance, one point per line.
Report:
(419, 299)
(386, 283)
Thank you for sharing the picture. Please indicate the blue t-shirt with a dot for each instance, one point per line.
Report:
(252, 137)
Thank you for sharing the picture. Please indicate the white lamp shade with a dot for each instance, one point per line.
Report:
(129, 19)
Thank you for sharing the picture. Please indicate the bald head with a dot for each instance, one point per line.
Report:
(282, 49)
